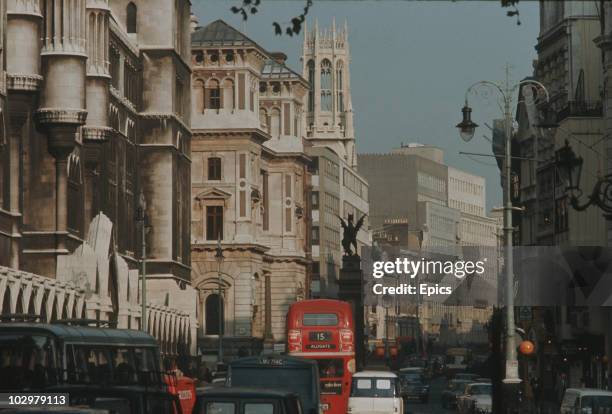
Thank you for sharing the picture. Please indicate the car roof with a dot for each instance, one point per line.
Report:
(243, 392)
(55, 410)
(479, 383)
(589, 391)
(408, 369)
(374, 374)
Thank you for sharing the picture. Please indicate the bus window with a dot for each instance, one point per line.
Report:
(147, 366)
(77, 365)
(320, 319)
(27, 361)
(330, 368)
(220, 408)
(258, 408)
(98, 364)
(123, 366)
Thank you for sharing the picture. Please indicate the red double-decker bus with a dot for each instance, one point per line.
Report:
(323, 330)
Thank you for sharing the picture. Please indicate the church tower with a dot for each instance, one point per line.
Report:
(329, 114)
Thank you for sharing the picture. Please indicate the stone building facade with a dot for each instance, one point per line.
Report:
(338, 188)
(97, 113)
(249, 184)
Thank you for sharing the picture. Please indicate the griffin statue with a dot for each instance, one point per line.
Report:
(350, 233)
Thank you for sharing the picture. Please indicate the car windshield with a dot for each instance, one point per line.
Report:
(483, 389)
(373, 387)
(598, 404)
(219, 408)
(27, 361)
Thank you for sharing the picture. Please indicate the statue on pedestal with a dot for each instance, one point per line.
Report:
(350, 233)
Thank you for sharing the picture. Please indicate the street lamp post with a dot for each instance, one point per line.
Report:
(219, 257)
(141, 217)
(467, 129)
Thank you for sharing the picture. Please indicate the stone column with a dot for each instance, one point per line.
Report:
(17, 120)
(62, 101)
(268, 337)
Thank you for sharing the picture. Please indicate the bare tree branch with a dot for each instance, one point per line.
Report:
(251, 7)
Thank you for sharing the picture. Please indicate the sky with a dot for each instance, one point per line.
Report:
(411, 64)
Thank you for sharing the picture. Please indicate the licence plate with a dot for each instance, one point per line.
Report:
(320, 336)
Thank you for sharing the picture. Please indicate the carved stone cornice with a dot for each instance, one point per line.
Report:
(93, 134)
(50, 116)
(24, 82)
(163, 117)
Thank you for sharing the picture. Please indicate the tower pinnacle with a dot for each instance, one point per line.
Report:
(329, 117)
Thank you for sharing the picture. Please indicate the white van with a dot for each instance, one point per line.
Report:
(586, 401)
(375, 392)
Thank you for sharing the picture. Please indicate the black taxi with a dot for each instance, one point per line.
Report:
(241, 400)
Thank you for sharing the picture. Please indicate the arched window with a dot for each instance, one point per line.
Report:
(228, 94)
(311, 81)
(198, 95)
(214, 304)
(213, 95)
(131, 19)
(339, 87)
(326, 85)
(275, 118)
(263, 119)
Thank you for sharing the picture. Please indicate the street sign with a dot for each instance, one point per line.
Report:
(525, 313)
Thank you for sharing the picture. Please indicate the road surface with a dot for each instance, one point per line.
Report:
(434, 406)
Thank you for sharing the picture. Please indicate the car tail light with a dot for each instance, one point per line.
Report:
(294, 338)
(346, 340)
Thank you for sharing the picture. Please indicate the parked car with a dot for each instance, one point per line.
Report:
(466, 376)
(375, 392)
(241, 400)
(586, 401)
(476, 399)
(412, 372)
(454, 388)
(414, 389)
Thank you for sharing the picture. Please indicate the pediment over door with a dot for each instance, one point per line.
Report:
(213, 194)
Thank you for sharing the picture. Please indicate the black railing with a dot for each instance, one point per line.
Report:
(591, 109)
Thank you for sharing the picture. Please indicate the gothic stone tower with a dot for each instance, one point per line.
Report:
(329, 116)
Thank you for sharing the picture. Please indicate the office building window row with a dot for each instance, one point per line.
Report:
(431, 183)
(354, 183)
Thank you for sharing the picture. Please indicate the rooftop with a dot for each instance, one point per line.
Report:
(219, 33)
